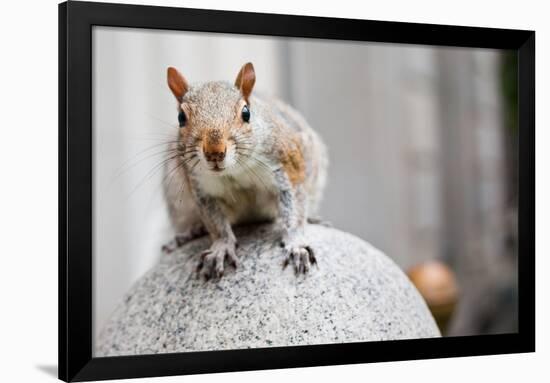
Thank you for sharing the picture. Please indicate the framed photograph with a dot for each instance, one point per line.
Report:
(243, 191)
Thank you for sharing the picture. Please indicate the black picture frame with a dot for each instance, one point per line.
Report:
(76, 19)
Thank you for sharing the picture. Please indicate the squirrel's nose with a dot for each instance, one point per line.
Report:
(214, 147)
(215, 154)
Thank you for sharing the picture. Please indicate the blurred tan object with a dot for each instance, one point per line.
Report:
(436, 283)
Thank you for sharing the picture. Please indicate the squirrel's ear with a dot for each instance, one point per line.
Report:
(177, 83)
(245, 80)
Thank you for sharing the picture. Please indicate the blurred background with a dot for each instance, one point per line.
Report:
(422, 144)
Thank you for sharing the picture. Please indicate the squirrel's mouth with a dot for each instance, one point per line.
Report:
(216, 168)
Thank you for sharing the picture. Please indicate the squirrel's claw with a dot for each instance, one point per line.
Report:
(301, 258)
(211, 261)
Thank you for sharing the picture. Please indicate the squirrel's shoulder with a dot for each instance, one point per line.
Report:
(291, 139)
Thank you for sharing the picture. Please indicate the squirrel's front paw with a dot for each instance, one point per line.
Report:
(300, 257)
(211, 263)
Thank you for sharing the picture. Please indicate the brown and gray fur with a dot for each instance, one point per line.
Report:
(224, 171)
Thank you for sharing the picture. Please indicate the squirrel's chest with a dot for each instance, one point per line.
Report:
(246, 196)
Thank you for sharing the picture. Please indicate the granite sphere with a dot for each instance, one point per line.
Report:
(354, 294)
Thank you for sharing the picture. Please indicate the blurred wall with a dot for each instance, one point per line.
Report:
(414, 137)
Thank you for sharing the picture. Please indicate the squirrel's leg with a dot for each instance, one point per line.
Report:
(292, 210)
(185, 236)
(224, 243)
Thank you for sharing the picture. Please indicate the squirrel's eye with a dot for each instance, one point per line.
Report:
(182, 118)
(245, 113)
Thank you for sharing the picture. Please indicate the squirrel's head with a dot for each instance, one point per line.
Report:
(214, 120)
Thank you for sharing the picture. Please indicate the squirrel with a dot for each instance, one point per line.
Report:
(237, 159)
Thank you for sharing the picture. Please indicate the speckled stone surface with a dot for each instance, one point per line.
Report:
(355, 294)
